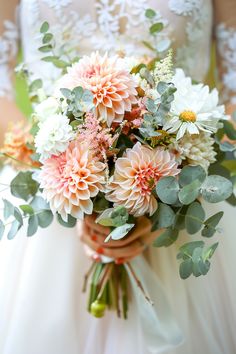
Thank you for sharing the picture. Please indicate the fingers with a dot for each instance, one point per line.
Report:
(98, 234)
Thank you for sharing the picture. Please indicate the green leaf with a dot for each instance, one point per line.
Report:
(119, 232)
(226, 146)
(166, 239)
(18, 216)
(100, 203)
(71, 222)
(45, 27)
(45, 48)
(211, 223)
(208, 253)
(194, 218)
(45, 218)
(66, 93)
(32, 225)
(104, 219)
(187, 249)
(58, 63)
(190, 173)
(216, 189)
(163, 217)
(186, 269)
(47, 38)
(229, 130)
(156, 27)
(8, 209)
(119, 216)
(231, 166)
(2, 229)
(167, 190)
(179, 222)
(27, 209)
(23, 186)
(35, 85)
(15, 226)
(150, 13)
(189, 192)
(39, 203)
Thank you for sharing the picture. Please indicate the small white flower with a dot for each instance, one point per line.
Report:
(194, 108)
(196, 149)
(46, 109)
(53, 137)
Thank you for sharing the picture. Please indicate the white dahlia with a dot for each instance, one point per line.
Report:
(53, 136)
(194, 108)
(197, 149)
(136, 175)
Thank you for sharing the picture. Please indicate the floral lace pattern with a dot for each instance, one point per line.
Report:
(199, 15)
(226, 43)
(8, 50)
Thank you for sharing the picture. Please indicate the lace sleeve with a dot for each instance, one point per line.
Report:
(8, 46)
(225, 30)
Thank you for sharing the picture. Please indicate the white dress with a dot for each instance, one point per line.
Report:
(42, 309)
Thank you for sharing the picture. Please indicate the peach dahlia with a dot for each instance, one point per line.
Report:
(136, 175)
(70, 180)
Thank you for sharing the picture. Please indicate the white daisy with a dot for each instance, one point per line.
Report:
(194, 108)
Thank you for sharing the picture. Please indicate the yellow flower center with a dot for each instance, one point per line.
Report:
(188, 116)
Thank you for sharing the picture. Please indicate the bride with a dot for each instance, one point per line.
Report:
(42, 308)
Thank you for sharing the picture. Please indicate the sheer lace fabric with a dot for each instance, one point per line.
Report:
(8, 50)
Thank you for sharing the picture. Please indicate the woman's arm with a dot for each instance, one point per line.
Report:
(8, 51)
(225, 31)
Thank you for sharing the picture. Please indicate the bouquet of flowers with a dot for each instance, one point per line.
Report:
(128, 141)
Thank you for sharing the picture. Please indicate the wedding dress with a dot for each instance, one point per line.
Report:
(42, 308)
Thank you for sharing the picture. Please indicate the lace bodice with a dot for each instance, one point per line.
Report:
(120, 26)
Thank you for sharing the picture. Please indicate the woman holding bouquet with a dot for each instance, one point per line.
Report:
(42, 308)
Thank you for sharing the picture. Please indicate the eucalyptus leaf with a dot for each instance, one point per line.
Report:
(71, 221)
(27, 209)
(8, 209)
(2, 229)
(45, 218)
(194, 218)
(24, 186)
(216, 189)
(191, 173)
(167, 190)
(119, 232)
(211, 223)
(167, 238)
(163, 217)
(179, 222)
(186, 269)
(208, 253)
(32, 225)
(18, 216)
(15, 226)
(45, 27)
(189, 192)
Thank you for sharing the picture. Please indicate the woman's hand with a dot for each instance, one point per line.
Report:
(93, 235)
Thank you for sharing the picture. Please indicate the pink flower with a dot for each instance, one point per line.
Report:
(112, 85)
(70, 180)
(136, 175)
(98, 138)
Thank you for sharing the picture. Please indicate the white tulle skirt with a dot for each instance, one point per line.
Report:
(43, 311)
